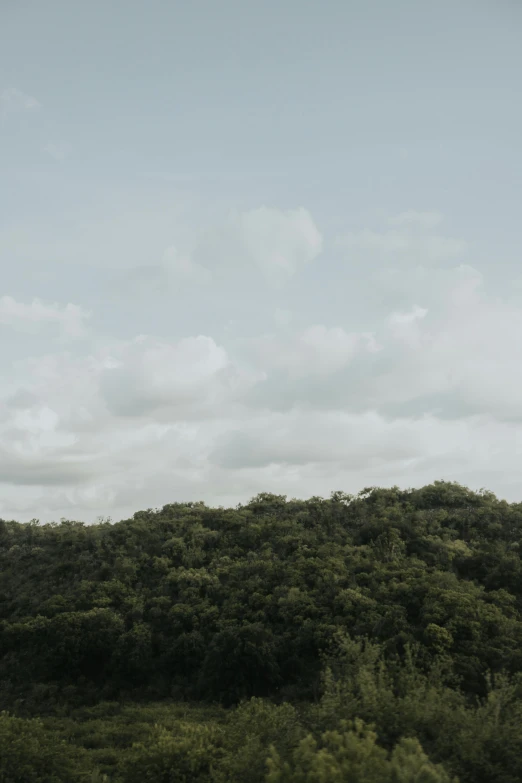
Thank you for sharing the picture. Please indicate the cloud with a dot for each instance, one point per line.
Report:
(275, 242)
(412, 240)
(35, 450)
(13, 101)
(317, 350)
(426, 388)
(31, 317)
(268, 242)
(367, 443)
(181, 267)
(82, 421)
(65, 384)
(279, 242)
(23, 471)
(193, 374)
(408, 318)
(403, 325)
(453, 358)
(305, 437)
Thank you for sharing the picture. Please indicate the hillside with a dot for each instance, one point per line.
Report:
(400, 609)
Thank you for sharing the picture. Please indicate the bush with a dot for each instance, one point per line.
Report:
(30, 754)
(189, 755)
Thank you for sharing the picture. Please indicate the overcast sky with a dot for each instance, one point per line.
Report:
(270, 246)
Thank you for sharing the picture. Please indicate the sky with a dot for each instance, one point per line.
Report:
(257, 247)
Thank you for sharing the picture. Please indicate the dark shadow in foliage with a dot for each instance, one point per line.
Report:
(240, 663)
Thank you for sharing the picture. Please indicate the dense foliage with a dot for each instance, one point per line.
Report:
(367, 638)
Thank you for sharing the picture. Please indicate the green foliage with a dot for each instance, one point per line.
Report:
(30, 754)
(351, 753)
(368, 637)
(251, 730)
(240, 662)
(191, 753)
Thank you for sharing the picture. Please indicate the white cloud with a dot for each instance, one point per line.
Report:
(407, 318)
(87, 423)
(193, 376)
(13, 100)
(275, 242)
(67, 385)
(182, 267)
(412, 240)
(463, 355)
(304, 437)
(279, 242)
(348, 450)
(454, 358)
(404, 325)
(30, 317)
(317, 350)
(429, 391)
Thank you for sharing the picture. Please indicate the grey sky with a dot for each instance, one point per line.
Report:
(257, 246)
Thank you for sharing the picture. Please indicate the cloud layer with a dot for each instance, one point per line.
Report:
(107, 424)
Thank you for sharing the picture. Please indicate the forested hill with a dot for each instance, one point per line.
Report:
(399, 608)
(223, 604)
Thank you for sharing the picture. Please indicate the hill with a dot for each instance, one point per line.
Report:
(400, 610)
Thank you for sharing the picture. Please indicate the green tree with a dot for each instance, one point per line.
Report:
(352, 754)
(250, 731)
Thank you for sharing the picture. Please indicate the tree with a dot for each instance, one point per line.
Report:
(352, 754)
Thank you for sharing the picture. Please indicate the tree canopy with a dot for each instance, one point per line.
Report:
(355, 624)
